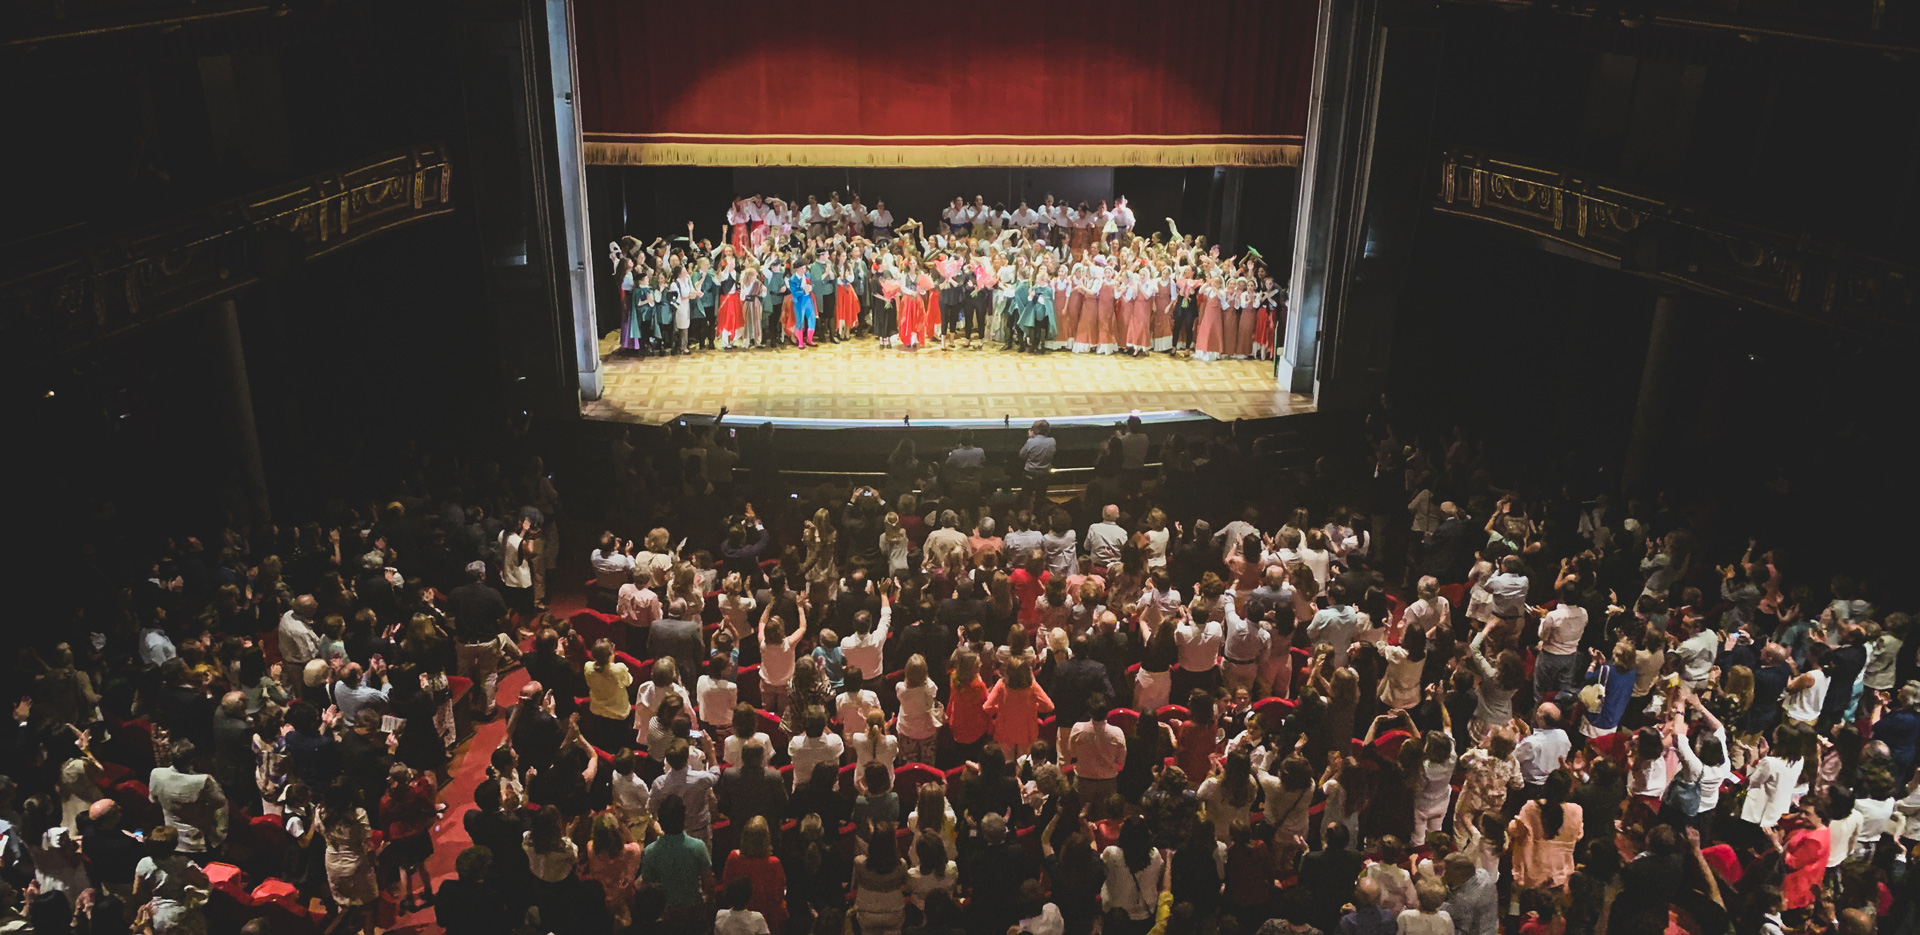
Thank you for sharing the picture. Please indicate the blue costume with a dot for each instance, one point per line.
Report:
(804, 318)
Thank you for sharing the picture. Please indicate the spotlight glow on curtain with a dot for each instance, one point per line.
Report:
(972, 83)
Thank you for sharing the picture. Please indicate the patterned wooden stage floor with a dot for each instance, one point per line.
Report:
(859, 380)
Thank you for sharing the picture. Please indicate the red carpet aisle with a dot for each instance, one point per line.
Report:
(469, 766)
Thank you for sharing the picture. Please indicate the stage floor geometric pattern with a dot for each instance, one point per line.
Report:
(859, 380)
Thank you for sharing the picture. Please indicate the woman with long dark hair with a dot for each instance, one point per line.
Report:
(1136, 875)
(1543, 835)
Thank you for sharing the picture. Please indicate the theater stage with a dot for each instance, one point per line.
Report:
(859, 380)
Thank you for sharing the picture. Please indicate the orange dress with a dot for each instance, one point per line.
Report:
(1209, 340)
(1107, 312)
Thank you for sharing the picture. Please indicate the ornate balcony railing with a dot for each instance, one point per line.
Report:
(1685, 245)
(62, 292)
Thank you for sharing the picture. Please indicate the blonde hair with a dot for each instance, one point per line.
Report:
(756, 839)
(916, 674)
(1057, 641)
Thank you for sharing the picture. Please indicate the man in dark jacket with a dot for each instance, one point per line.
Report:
(752, 788)
(677, 635)
(1450, 551)
(1079, 679)
(499, 827)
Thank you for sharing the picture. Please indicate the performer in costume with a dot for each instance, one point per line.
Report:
(1063, 291)
(1005, 318)
(1209, 340)
(756, 223)
(706, 302)
(1134, 314)
(951, 300)
(1107, 314)
(635, 324)
(730, 322)
(800, 282)
(821, 277)
(1079, 310)
(853, 218)
(776, 306)
(684, 292)
(886, 315)
(846, 303)
(914, 313)
(660, 330)
(1186, 310)
(981, 284)
(739, 219)
(1039, 323)
(1160, 310)
(881, 222)
(1249, 320)
(753, 287)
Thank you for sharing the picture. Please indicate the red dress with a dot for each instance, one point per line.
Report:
(1134, 313)
(1209, 339)
(846, 307)
(1160, 318)
(1067, 310)
(1107, 312)
(932, 304)
(1263, 332)
(731, 319)
(1086, 330)
(913, 318)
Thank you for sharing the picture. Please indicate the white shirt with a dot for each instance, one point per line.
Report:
(865, 751)
(740, 922)
(1199, 644)
(1024, 218)
(514, 570)
(1770, 791)
(1804, 704)
(630, 794)
(881, 217)
(611, 569)
(1103, 543)
(866, 653)
(731, 750)
(852, 707)
(916, 711)
(809, 752)
(1138, 894)
(298, 643)
(717, 699)
(1561, 629)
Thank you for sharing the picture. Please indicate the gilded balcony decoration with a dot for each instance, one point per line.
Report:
(59, 293)
(1656, 236)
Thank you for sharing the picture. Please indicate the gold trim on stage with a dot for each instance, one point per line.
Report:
(933, 156)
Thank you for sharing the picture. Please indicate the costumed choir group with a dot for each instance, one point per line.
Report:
(1034, 280)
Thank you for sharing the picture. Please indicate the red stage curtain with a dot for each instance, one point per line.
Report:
(974, 82)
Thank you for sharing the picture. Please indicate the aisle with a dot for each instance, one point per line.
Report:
(469, 766)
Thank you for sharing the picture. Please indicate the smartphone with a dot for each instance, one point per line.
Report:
(733, 433)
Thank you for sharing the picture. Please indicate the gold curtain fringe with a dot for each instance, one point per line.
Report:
(939, 157)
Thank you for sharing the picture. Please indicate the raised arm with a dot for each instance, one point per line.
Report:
(794, 638)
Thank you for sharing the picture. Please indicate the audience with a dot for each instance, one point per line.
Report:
(976, 707)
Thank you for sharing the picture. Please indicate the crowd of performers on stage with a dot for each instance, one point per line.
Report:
(1034, 280)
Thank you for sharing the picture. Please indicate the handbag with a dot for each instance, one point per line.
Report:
(1684, 796)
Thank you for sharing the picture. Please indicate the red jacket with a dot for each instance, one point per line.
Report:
(1806, 865)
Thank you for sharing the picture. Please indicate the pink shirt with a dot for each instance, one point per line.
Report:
(1099, 750)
